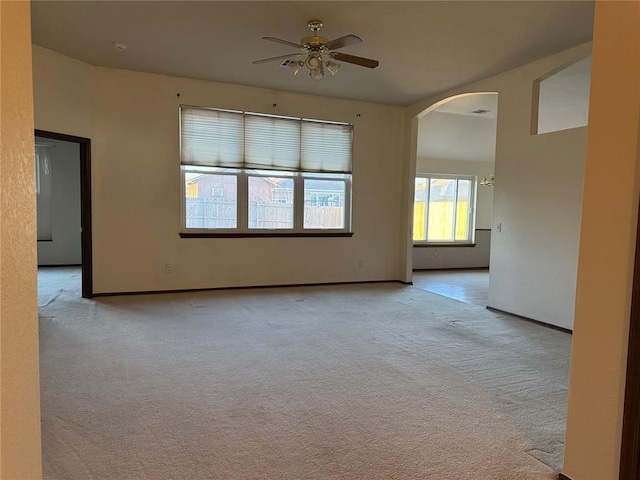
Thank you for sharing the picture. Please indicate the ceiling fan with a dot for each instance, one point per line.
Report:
(320, 53)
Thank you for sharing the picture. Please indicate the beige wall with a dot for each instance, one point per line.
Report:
(19, 383)
(537, 203)
(62, 91)
(443, 258)
(132, 120)
(537, 198)
(607, 247)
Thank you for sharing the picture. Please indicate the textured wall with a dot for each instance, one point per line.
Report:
(607, 247)
(19, 380)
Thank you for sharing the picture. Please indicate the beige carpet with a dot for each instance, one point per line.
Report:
(378, 381)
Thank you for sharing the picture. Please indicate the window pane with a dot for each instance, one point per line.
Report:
(210, 200)
(324, 203)
(270, 202)
(441, 210)
(419, 209)
(270, 172)
(332, 176)
(463, 210)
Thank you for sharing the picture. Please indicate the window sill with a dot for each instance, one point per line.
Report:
(442, 245)
(263, 234)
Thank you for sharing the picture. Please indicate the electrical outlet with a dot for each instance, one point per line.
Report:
(168, 268)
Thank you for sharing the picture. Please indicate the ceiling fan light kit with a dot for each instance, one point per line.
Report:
(320, 53)
(296, 66)
(332, 67)
(314, 61)
(316, 72)
(488, 180)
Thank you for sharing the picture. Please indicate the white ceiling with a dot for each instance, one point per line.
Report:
(453, 132)
(470, 104)
(424, 47)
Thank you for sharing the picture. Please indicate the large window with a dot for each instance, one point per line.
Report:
(443, 210)
(249, 173)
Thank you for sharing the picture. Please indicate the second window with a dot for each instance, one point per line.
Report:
(443, 209)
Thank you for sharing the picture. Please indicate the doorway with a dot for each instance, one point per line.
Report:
(65, 253)
(453, 195)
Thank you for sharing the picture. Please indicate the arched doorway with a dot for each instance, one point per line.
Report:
(453, 194)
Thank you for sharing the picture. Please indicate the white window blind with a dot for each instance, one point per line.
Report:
(271, 142)
(221, 138)
(211, 137)
(326, 147)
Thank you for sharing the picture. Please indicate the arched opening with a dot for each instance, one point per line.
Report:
(453, 195)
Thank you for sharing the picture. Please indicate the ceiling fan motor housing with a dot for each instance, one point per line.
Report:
(314, 43)
(320, 51)
(315, 25)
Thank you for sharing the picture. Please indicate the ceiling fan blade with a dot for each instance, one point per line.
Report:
(279, 57)
(342, 42)
(284, 42)
(363, 62)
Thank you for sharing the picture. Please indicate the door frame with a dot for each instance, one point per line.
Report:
(85, 205)
(630, 448)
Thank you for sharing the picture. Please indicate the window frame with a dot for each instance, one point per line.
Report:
(470, 240)
(244, 167)
(242, 204)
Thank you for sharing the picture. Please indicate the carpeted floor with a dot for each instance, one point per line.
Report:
(379, 381)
